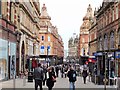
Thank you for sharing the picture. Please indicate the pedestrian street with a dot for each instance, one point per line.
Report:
(62, 83)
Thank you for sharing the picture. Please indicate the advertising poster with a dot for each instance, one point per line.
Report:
(3, 59)
(12, 59)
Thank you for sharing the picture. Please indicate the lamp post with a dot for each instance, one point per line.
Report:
(118, 69)
(105, 78)
(47, 56)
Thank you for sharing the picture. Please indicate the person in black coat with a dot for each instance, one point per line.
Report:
(72, 77)
(84, 74)
(50, 82)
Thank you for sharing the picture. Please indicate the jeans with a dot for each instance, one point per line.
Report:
(72, 85)
(38, 83)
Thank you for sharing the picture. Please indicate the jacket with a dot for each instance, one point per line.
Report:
(38, 73)
(72, 75)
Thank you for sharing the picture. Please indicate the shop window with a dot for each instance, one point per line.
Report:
(42, 38)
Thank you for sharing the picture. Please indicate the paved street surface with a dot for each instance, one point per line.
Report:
(61, 83)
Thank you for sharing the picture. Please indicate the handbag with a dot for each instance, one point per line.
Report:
(53, 79)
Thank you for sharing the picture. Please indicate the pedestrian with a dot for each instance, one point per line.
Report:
(45, 74)
(57, 70)
(51, 78)
(72, 78)
(38, 77)
(84, 74)
(62, 71)
(66, 69)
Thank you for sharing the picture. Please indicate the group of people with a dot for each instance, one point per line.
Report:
(42, 75)
(47, 75)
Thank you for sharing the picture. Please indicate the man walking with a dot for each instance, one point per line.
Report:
(72, 78)
(38, 76)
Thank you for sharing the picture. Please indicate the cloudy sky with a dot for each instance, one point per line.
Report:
(67, 15)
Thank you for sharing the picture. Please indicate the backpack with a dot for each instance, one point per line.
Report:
(74, 76)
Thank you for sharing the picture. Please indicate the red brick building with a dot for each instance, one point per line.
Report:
(83, 47)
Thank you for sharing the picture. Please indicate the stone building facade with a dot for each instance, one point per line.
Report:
(93, 36)
(83, 47)
(72, 46)
(108, 38)
(19, 34)
(51, 44)
(84, 33)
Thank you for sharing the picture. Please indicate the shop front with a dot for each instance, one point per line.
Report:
(3, 59)
(7, 50)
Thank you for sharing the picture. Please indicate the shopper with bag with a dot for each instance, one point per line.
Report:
(51, 78)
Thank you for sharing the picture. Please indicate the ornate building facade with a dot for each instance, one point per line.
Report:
(19, 35)
(93, 36)
(108, 37)
(83, 48)
(72, 46)
(51, 44)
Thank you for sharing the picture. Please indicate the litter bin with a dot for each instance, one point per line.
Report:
(30, 76)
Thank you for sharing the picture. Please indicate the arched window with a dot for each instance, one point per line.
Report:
(105, 42)
(100, 43)
(119, 37)
(112, 40)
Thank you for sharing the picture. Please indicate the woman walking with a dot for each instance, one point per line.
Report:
(51, 78)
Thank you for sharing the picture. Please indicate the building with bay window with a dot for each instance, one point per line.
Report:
(51, 44)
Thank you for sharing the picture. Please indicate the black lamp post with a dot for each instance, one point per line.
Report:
(47, 56)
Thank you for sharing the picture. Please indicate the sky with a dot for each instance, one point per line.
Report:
(67, 15)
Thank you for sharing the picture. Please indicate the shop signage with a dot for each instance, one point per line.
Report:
(117, 54)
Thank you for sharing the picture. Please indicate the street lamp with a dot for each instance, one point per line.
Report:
(47, 56)
(105, 78)
(118, 67)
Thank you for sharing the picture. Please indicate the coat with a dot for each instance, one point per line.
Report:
(38, 73)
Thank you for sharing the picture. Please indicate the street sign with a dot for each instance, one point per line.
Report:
(117, 54)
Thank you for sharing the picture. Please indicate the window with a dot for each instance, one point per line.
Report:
(42, 38)
(83, 40)
(119, 37)
(113, 14)
(100, 43)
(0, 7)
(48, 48)
(12, 13)
(42, 49)
(105, 42)
(48, 38)
(83, 51)
(116, 12)
(112, 40)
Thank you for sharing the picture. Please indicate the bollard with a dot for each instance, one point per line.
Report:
(24, 80)
(118, 84)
